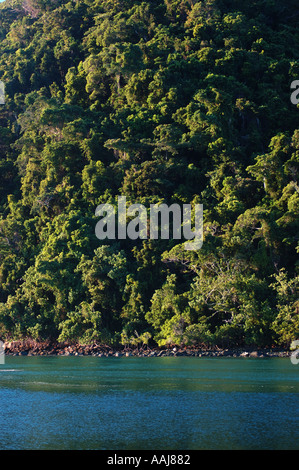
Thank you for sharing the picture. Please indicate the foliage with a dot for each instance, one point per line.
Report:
(162, 101)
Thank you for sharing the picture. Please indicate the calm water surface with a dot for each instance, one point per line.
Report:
(148, 403)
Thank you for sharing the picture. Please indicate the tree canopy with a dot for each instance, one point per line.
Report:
(161, 101)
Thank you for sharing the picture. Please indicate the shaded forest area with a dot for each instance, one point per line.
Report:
(174, 101)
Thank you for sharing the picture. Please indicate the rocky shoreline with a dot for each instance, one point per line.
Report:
(32, 348)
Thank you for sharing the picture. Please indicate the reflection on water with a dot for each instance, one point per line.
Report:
(148, 403)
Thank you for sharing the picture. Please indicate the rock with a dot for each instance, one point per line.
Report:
(243, 354)
(253, 354)
(227, 352)
(128, 354)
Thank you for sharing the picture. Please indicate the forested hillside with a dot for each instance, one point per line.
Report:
(174, 101)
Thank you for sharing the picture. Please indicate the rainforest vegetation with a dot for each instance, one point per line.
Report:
(161, 101)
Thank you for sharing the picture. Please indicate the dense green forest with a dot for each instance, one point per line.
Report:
(174, 101)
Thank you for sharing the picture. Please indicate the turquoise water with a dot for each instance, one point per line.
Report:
(148, 403)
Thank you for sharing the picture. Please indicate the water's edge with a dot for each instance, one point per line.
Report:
(33, 348)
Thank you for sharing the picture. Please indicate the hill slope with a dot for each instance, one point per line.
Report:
(162, 101)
